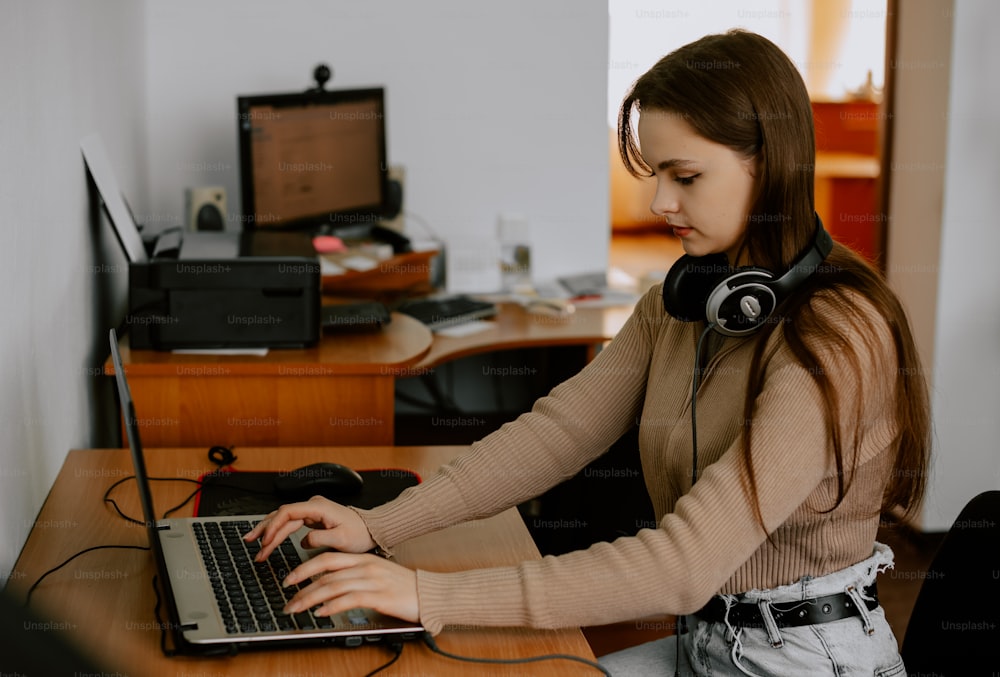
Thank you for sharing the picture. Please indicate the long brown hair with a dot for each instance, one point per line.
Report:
(740, 90)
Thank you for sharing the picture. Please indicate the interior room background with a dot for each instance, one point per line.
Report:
(491, 107)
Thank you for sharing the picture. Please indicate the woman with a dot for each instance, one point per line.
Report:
(808, 423)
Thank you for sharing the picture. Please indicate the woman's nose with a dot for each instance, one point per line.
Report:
(665, 200)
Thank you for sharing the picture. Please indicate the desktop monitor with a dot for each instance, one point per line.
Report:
(313, 160)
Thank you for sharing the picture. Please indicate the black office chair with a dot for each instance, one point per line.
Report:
(955, 624)
(33, 644)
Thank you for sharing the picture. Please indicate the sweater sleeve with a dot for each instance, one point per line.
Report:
(564, 431)
(677, 566)
(674, 568)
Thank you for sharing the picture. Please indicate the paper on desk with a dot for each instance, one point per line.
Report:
(465, 328)
(609, 298)
(358, 262)
(328, 267)
(605, 297)
(258, 352)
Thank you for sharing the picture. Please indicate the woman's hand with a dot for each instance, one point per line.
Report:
(334, 525)
(343, 581)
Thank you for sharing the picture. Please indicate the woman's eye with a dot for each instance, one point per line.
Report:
(686, 180)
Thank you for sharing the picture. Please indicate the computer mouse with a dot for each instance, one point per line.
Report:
(323, 479)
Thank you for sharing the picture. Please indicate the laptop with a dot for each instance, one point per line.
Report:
(218, 599)
(175, 242)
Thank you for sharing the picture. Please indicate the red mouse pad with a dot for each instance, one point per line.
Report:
(230, 492)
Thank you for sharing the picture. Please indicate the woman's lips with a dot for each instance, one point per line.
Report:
(681, 231)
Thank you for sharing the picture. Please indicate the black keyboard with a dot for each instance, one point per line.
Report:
(445, 311)
(248, 593)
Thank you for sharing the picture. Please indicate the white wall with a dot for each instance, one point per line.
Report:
(491, 107)
(966, 394)
(70, 67)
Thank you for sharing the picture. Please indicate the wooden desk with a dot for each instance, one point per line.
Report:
(105, 598)
(339, 393)
(513, 328)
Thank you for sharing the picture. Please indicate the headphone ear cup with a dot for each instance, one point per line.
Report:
(742, 302)
(689, 282)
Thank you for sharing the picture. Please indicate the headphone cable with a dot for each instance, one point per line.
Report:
(694, 397)
(694, 456)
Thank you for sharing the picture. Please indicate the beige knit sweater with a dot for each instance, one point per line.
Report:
(707, 538)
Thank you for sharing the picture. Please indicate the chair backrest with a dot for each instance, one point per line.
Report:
(955, 622)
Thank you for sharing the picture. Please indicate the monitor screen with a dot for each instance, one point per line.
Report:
(313, 160)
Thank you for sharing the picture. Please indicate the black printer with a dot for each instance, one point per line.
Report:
(226, 290)
(200, 289)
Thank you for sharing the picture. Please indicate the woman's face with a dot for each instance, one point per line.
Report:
(703, 189)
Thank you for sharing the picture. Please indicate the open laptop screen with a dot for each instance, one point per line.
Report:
(134, 443)
(100, 170)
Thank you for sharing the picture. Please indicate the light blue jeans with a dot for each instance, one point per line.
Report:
(860, 645)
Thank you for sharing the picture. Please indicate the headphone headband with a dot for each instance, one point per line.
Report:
(807, 262)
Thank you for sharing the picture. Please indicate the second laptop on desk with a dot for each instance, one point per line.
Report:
(444, 311)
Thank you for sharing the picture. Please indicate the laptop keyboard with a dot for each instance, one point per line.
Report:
(248, 593)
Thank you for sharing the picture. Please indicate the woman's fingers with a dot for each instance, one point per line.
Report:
(343, 581)
(335, 526)
(286, 520)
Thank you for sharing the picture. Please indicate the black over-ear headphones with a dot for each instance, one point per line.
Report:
(737, 301)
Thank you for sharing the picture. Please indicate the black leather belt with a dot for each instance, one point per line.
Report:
(788, 614)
